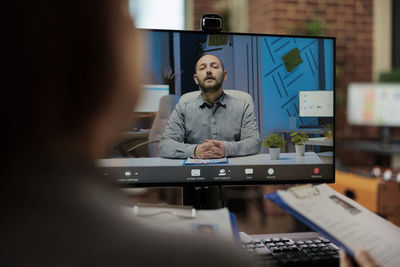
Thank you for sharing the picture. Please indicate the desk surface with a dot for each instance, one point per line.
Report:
(259, 159)
(370, 146)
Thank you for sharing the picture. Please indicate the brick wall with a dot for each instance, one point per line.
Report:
(202, 7)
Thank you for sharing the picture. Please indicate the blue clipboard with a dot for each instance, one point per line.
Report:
(274, 197)
(235, 227)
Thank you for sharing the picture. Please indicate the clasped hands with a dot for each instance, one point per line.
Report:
(210, 149)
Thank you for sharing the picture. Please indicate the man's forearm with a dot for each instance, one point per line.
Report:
(170, 148)
(246, 147)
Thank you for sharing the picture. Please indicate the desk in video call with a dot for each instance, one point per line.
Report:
(257, 168)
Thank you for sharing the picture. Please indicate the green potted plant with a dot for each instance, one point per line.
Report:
(275, 143)
(299, 138)
(328, 133)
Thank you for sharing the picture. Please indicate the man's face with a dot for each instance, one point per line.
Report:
(209, 74)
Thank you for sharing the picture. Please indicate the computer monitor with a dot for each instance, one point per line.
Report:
(276, 72)
(374, 104)
(151, 95)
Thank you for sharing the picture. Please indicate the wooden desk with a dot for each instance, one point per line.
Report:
(364, 190)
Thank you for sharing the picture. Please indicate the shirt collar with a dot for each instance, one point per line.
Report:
(221, 101)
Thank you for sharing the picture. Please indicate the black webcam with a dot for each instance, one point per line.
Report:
(211, 23)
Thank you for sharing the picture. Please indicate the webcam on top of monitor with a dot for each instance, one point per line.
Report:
(211, 23)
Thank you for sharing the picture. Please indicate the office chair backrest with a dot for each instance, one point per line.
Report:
(165, 108)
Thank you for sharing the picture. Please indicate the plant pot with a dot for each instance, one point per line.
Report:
(274, 152)
(300, 149)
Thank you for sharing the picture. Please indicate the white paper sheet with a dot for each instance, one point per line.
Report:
(213, 222)
(350, 223)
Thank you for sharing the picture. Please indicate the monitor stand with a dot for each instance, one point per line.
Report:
(385, 136)
(203, 198)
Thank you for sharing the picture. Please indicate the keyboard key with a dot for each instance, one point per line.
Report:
(270, 245)
(284, 239)
(284, 248)
(324, 240)
(309, 242)
(275, 249)
(321, 245)
(276, 239)
(303, 246)
(332, 246)
(289, 243)
(312, 246)
(299, 243)
(267, 240)
(279, 244)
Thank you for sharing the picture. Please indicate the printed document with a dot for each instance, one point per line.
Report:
(348, 222)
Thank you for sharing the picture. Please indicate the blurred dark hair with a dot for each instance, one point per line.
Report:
(59, 69)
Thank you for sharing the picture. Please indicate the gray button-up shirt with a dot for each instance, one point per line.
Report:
(194, 120)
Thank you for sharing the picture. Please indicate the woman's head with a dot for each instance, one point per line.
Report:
(72, 74)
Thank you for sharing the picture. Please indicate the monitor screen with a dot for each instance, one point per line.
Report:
(316, 103)
(151, 95)
(228, 92)
(373, 104)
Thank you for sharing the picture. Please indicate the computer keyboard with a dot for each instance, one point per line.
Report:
(291, 249)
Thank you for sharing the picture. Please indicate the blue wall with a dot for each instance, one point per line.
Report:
(280, 87)
(157, 57)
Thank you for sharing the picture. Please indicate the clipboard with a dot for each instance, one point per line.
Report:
(342, 220)
(301, 192)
